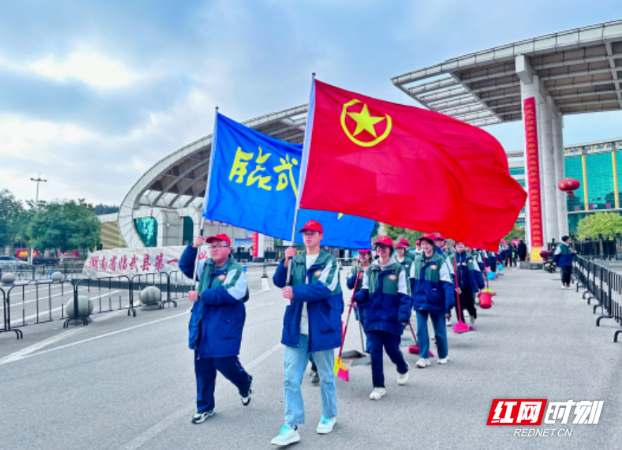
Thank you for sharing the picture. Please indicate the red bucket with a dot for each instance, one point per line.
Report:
(485, 300)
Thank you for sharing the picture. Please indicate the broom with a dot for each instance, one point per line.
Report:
(340, 368)
(459, 327)
(414, 349)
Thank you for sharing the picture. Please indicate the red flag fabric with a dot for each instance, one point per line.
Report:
(407, 167)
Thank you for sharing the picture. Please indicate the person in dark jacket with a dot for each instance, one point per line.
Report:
(402, 257)
(385, 300)
(470, 281)
(217, 320)
(433, 294)
(311, 327)
(358, 272)
(522, 251)
(563, 259)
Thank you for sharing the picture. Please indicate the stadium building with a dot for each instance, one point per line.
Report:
(571, 72)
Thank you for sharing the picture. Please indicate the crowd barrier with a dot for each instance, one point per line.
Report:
(602, 285)
(31, 302)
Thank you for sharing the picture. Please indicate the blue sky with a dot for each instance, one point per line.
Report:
(93, 93)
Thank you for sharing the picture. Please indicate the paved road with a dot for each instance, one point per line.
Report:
(128, 383)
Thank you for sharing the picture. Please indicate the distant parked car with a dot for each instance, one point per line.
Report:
(10, 261)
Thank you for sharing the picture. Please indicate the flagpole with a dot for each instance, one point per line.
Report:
(303, 164)
(206, 198)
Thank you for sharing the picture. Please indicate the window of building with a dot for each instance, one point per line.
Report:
(147, 229)
(573, 221)
(517, 171)
(599, 171)
(188, 230)
(574, 169)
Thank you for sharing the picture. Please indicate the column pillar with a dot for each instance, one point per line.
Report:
(560, 173)
(548, 172)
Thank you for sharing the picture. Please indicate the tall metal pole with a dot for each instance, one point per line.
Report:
(38, 180)
(206, 198)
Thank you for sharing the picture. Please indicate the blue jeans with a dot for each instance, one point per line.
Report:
(295, 363)
(205, 371)
(440, 333)
(391, 343)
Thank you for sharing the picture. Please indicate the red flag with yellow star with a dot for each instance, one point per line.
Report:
(407, 167)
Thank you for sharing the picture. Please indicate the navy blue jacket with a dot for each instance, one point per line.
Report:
(319, 288)
(563, 255)
(217, 320)
(432, 284)
(384, 298)
(470, 278)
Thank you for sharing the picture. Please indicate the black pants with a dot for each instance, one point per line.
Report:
(466, 302)
(205, 371)
(566, 274)
(391, 344)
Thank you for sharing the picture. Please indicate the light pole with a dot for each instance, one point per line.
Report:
(38, 180)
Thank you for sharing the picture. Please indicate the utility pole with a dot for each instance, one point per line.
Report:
(38, 180)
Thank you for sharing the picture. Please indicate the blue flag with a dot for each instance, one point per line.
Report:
(254, 183)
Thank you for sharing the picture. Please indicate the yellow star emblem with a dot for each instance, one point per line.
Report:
(365, 122)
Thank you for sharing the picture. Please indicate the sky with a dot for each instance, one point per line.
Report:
(93, 93)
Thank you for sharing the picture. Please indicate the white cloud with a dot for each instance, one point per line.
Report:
(25, 138)
(90, 68)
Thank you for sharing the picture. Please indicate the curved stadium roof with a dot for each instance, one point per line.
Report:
(581, 69)
(179, 180)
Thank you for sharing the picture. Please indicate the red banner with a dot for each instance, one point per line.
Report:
(23, 253)
(533, 172)
(255, 244)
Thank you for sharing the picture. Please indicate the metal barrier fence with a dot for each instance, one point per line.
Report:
(33, 273)
(603, 248)
(602, 285)
(31, 302)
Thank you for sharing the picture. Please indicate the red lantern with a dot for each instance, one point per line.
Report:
(568, 185)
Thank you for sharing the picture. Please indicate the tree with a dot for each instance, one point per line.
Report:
(14, 219)
(398, 233)
(67, 225)
(607, 224)
(517, 232)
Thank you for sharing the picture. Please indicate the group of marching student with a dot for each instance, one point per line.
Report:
(386, 291)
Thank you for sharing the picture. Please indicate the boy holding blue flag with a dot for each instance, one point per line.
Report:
(217, 320)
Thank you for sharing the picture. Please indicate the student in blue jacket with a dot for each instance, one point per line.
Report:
(563, 259)
(433, 294)
(217, 320)
(386, 303)
(470, 281)
(311, 327)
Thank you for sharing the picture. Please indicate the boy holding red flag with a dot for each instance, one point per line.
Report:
(311, 328)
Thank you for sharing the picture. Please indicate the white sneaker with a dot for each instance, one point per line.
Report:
(326, 425)
(423, 362)
(442, 360)
(449, 323)
(402, 378)
(472, 320)
(563, 286)
(377, 393)
(286, 436)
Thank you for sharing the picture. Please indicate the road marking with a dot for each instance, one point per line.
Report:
(264, 284)
(51, 340)
(187, 410)
(112, 333)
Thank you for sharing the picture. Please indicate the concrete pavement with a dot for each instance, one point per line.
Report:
(128, 383)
